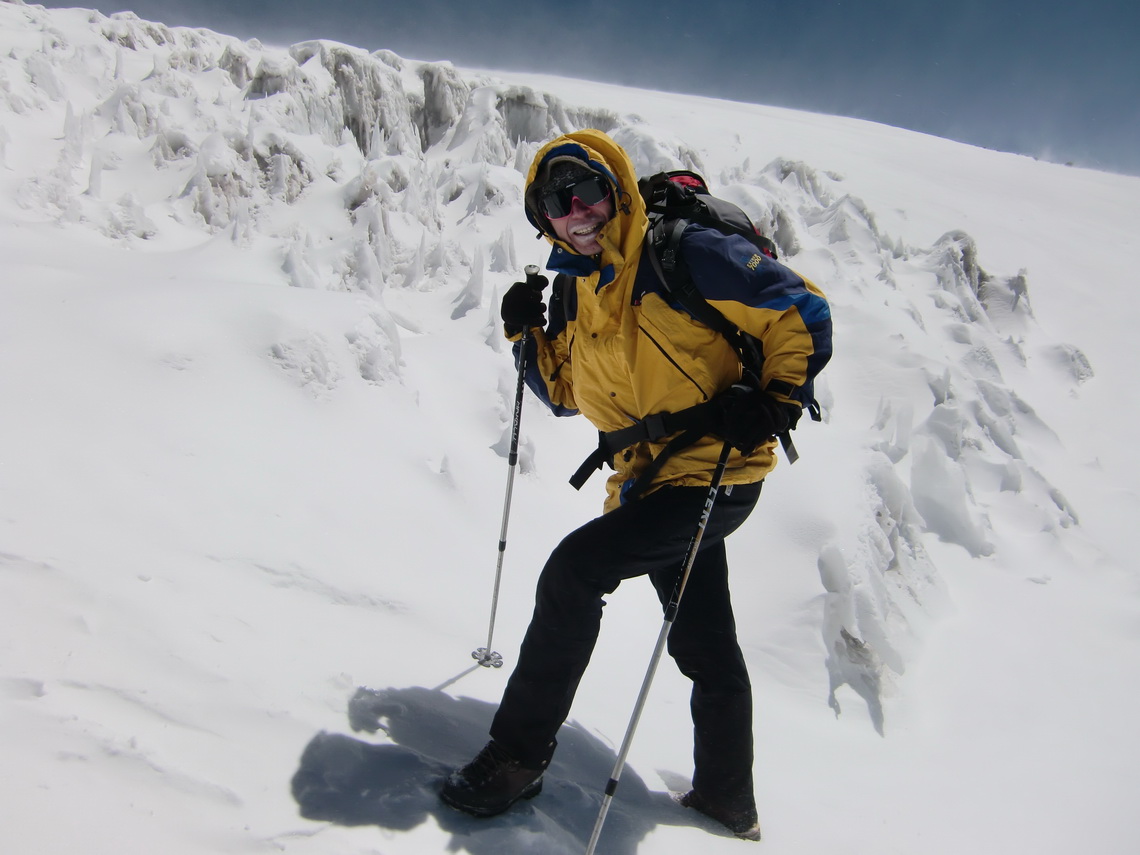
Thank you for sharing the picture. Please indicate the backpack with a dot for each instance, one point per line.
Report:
(684, 195)
(673, 200)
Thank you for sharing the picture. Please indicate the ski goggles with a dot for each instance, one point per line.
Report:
(590, 191)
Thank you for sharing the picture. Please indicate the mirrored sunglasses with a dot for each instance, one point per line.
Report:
(590, 191)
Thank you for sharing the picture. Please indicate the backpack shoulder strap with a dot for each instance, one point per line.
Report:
(665, 256)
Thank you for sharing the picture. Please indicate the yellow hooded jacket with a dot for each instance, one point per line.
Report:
(617, 352)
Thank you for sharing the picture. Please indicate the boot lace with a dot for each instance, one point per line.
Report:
(488, 763)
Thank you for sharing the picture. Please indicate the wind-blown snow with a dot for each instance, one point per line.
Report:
(256, 413)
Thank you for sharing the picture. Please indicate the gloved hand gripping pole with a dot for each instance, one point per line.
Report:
(486, 656)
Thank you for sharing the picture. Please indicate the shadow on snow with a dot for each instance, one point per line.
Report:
(395, 786)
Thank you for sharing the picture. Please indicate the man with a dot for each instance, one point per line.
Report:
(616, 351)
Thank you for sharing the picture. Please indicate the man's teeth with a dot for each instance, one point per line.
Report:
(587, 230)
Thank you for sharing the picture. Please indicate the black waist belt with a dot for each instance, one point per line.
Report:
(689, 424)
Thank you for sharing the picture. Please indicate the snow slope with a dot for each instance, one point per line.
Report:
(252, 463)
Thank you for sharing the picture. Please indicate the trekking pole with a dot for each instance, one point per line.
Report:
(670, 616)
(485, 656)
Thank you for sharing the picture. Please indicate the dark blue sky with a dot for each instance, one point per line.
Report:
(1057, 80)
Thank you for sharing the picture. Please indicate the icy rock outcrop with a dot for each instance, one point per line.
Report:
(652, 152)
(369, 96)
(498, 120)
(504, 258)
(273, 76)
(954, 261)
(445, 94)
(236, 62)
(309, 363)
(375, 344)
(472, 294)
(942, 469)
(881, 591)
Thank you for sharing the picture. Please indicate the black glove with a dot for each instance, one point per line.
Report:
(522, 306)
(749, 417)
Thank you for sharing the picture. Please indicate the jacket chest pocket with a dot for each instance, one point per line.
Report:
(690, 363)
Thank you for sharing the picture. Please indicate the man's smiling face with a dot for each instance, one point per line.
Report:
(580, 228)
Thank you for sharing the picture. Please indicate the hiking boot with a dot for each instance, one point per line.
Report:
(490, 783)
(743, 823)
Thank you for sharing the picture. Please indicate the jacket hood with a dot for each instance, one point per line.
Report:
(621, 238)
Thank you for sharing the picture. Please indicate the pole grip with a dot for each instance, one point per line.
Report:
(533, 277)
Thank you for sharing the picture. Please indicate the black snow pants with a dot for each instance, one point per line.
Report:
(649, 536)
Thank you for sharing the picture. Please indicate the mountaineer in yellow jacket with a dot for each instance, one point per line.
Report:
(667, 393)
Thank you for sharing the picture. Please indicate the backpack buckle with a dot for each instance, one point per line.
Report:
(655, 426)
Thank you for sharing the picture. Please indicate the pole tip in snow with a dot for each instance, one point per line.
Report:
(487, 658)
